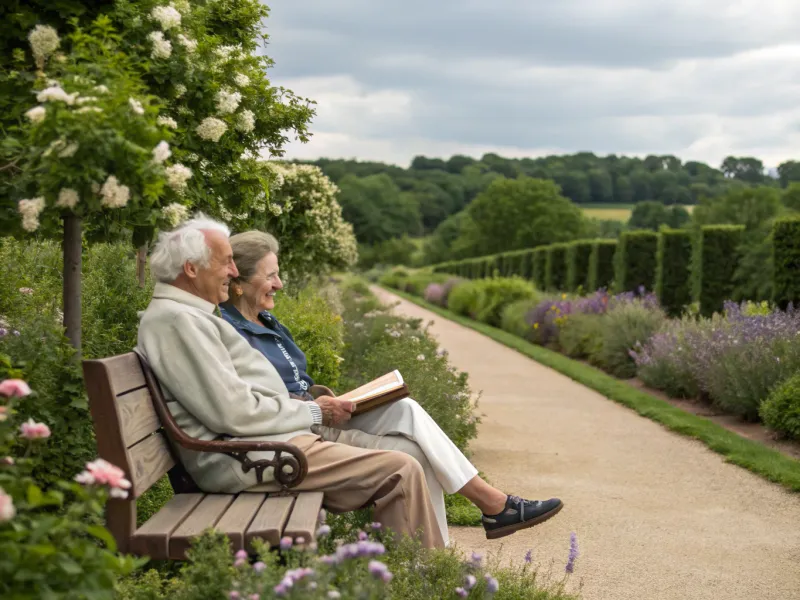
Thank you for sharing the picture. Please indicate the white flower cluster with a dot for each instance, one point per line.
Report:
(36, 114)
(67, 198)
(175, 213)
(227, 52)
(177, 176)
(114, 194)
(88, 109)
(168, 122)
(241, 80)
(167, 16)
(188, 43)
(182, 6)
(161, 152)
(30, 209)
(56, 93)
(61, 147)
(161, 48)
(101, 89)
(246, 121)
(44, 41)
(211, 129)
(227, 101)
(180, 90)
(136, 106)
(86, 100)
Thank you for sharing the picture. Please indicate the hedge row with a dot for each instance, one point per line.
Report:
(786, 256)
(673, 273)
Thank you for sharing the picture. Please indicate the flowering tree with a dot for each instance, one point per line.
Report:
(93, 151)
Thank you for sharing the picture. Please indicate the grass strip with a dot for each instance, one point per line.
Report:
(753, 456)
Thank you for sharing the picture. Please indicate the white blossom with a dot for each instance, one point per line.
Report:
(167, 16)
(86, 100)
(67, 198)
(114, 194)
(175, 213)
(211, 129)
(182, 6)
(101, 89)
(161, 152)
(275, 209)
(36, 114)
(88, 109)
(192, 157)
(136, 106)
(246, 121)
(56, 93)
(241, 80)
(177, 176)
(161, 48)
(167, 122)
(180, 90)
(188, 43)
(227, 52)
(69, 151)
(44, 41)
(30, 209)
(227, 101)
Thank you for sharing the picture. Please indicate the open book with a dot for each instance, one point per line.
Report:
(388, 388)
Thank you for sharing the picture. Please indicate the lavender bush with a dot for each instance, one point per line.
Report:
(435, 294)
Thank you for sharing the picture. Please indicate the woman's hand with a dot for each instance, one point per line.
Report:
(335, 411)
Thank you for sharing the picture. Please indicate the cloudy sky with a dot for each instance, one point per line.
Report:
(701, 79)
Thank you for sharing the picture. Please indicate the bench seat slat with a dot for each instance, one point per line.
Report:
(305, 516)
(270, 520)
(237, 518)
(152, 538)
(204, 516)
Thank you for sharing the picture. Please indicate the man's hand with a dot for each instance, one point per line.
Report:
(335, 411)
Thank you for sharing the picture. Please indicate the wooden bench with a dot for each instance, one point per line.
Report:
(133, 425)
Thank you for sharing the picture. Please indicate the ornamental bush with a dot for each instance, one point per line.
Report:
(673, 273)
(786, 259)
(718, 255)
(555, 278)
(601, 265)
(495, 294)
(781, 410)
(635, 259)
(578, 257)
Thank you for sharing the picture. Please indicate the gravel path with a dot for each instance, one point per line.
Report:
(657, 515)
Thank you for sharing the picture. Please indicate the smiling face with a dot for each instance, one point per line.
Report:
(259, 291)
(212, 282)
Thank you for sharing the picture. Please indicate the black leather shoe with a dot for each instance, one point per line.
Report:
(520, 514)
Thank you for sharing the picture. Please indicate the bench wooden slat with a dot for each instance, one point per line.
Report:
(138, 418)
(305, 516)
(149, 460)
(270, 520)
(237, 518)
(152, 538)
(205, 515)
(124, 373)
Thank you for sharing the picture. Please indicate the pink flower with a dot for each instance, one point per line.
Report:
(26, 290)
(32, 430)
(102, 472)
(7, 461)
(14, 388)
(286, 543)
(7, 510)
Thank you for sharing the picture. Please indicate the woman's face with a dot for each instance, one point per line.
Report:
(259, 292)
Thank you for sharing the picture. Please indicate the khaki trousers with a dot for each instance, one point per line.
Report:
(352, 478)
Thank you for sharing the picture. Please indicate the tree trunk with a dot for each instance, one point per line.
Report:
(141, 263)
(72, 250)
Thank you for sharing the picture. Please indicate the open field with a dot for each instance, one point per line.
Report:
(614, 212)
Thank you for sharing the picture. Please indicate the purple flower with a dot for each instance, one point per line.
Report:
(323, 531)
(491, 584)
(286, 543)
(300, 541)
(529, 556)
(234, 595)
(328, 559)
(362, 536)
(376, 526)
(434, 293)
(377, 568)
(387, 577)
(573, 552)
(241, 554)
(259, 567)
(470, 582)
(281, 589)
(461, 592)
(3, 331)
(475, 560)
(239, 562)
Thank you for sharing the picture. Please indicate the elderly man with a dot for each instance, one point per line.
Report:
(216, 384)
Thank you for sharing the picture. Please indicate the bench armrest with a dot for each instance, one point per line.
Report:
(289, 468)
(320, 390)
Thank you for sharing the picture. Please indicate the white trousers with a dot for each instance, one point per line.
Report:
(405, 426)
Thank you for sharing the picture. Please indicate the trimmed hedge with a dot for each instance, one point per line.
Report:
(636, 261)
(578, 256)
(539, 266)
(526, 264)
(673, 271)
(555, 277)
(786, 256)
(601, 265)
(718, 258)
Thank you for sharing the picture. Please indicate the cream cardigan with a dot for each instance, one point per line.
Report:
(216, 383)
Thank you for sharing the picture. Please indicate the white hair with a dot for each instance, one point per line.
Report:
(185, 244)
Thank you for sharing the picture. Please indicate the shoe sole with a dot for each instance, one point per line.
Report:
(509, 529)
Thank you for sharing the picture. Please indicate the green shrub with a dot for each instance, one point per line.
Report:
(513, 317)
(580, 335)
(463, 299)
(539, 267)
(626, 327)
(635, 261)
(496, 294)
(601, 265)
(717, 261)
(578, 256)
(556, 268)
(781, 411)
(786, 258)
(395, 278)
(673, 273)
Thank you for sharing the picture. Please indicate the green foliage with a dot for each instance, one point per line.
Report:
(495, 294)
(539, 267)
(601, 265)
(581, 335)
(673, 272)
(513, 317)
(654, 215)
(464, 299)
(786, 257)
(781, 411)
(396, 251)
(636, 261)
(578, 257)
(717, 260)
(317, 328)
(624, 328)
(555, 278)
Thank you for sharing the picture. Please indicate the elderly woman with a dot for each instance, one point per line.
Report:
(403, 425)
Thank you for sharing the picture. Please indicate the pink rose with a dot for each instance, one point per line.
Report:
(102, 472)
(31, 430)
(14, 388)
(7, 510)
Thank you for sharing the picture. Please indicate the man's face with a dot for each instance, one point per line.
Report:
(212, 282)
